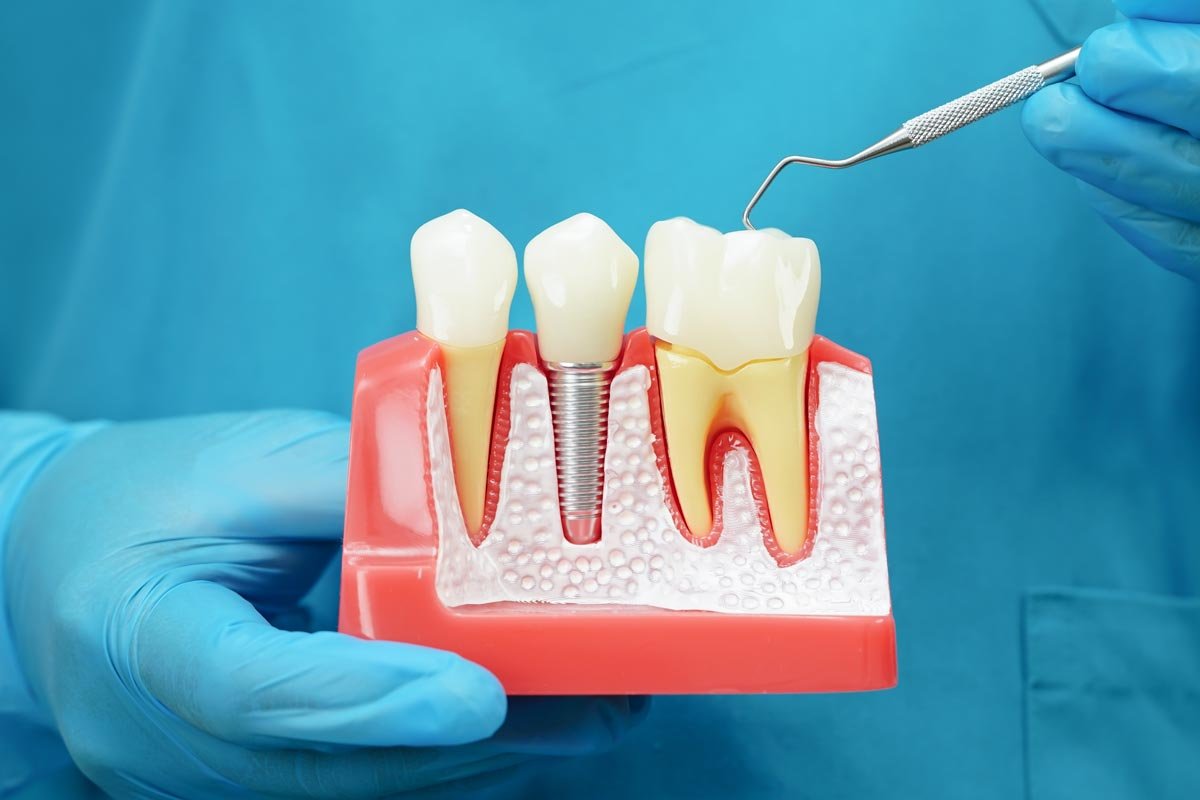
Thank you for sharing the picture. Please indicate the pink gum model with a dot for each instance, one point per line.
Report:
(648, 609)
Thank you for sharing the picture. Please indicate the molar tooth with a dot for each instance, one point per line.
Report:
(734, 315)
(735, 297)
(464, 276)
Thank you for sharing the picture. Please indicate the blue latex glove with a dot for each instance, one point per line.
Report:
(143, 565)
(1129, 131)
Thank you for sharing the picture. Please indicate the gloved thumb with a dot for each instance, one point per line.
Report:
(206, 653)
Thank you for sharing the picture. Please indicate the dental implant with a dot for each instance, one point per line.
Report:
(581, 277)
(579, 410)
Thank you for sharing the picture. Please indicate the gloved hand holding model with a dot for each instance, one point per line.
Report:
(143, 563)
(1129, 130)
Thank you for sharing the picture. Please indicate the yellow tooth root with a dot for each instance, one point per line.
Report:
(765, 400)
(471, 374)
(691, 392)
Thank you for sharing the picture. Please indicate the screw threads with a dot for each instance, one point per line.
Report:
(579, 412)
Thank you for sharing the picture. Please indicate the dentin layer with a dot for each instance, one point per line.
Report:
(765, 401)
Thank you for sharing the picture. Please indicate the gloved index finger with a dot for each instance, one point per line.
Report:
(275, 473)
(1165, 10)
(1145, 163)
(1145, 68)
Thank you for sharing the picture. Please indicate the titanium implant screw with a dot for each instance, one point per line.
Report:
(579, 412)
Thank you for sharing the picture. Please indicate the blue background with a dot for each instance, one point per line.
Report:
(207, 206)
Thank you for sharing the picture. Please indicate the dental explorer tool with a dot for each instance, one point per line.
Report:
(942, 120)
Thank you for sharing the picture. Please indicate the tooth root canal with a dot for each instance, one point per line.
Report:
(581, 277)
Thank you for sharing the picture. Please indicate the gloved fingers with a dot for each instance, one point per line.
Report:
(1173, 243)
(568, 726)
(278, 474)
(1165, 10)
(536, 727)
(1146, 163)
(207, 655)
(1145, 68)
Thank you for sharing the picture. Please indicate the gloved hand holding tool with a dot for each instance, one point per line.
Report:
(1129, 131)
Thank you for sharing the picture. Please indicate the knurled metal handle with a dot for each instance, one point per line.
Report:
(974, 106)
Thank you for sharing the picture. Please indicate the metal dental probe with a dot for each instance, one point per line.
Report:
(943, 119)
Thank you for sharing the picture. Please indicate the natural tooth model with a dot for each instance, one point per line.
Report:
(464, 274)
(581, 277)
(734, 314)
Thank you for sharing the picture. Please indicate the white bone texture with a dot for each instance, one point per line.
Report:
(641, 558)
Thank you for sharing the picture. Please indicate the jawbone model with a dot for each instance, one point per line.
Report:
(732, 540)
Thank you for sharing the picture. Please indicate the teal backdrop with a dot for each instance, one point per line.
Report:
(207, 206)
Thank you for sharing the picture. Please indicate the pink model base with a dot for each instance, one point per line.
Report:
(390, 558)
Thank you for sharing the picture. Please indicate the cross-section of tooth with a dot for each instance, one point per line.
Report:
(464, 275)
(734, 315)
(581, 277)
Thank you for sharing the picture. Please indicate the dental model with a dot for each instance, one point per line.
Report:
(694, 507)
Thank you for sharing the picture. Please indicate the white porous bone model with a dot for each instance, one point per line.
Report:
(641, 558)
